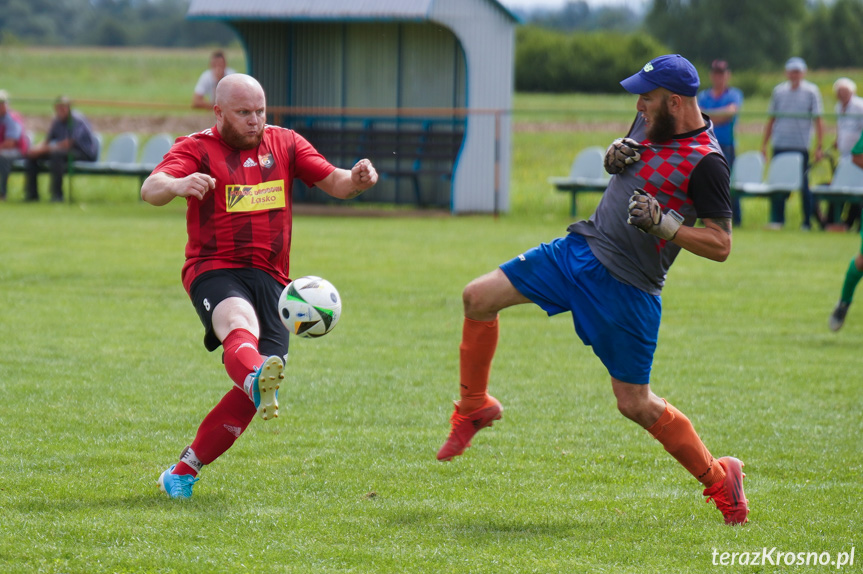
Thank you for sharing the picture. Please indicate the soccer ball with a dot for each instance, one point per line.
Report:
(310, 306)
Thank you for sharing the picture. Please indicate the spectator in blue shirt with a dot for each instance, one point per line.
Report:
(722, 103)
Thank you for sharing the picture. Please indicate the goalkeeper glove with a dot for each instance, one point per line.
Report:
(646, 214)
(621, 153)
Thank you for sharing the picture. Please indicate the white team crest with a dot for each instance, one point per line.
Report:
(648, 67)
(249, 163)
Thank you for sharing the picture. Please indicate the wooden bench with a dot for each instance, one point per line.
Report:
(405, 149)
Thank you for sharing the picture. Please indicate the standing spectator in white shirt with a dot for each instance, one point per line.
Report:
(206, 86)
(849, 116)
(849, 127)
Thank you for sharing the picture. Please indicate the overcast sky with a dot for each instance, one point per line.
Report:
(559, 3)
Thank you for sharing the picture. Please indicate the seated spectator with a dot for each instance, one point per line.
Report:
(13, 141)
(70, 138)
(206, 86)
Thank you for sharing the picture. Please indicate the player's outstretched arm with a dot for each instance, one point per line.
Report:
(348, 184)
(160, 188)
(713, 241)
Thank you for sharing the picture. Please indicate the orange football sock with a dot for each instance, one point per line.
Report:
(478, 344)
(679, 438)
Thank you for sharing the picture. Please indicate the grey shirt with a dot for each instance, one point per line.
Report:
(666, 170)
(794, 111)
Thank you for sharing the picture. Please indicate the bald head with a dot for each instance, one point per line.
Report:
(236, 86)
(241, 110)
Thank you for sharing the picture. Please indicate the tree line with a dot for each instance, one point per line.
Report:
(575, 48)
(751, 36)
(107, 23)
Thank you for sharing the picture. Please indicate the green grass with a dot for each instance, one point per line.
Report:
(140, 79)
(104, 380)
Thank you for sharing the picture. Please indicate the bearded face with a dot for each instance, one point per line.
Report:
(662, 126)
(239, 133)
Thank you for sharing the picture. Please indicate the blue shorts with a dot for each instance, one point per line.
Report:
(619, 321)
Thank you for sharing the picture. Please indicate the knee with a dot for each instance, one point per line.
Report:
(234, 313)
(240, 322)
(58, 161)
(475, 301)
(630, 407)
(637, 406)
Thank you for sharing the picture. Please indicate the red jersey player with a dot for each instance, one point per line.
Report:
(236, 178)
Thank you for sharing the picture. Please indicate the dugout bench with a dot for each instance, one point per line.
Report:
(419, 150)
(120, 158)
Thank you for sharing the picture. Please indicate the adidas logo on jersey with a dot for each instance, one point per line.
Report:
(249, 163)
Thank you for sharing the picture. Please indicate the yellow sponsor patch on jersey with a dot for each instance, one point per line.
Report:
(256, 197)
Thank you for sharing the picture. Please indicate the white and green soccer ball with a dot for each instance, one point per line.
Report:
(310, 306)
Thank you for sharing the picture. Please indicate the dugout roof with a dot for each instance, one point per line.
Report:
(401, 55)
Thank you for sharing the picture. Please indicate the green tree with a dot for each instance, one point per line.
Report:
(107, 23)
(46, 22)
(749, 35)
(579, 15)
(833, 35)
(108, 31)
(548, 61)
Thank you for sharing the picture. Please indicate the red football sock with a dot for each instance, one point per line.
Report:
(220, 428)
(679, 438)
(241, 355)
(478, 344)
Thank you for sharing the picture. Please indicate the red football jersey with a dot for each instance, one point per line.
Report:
(246, 220)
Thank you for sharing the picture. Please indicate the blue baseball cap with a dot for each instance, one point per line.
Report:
(672, 72)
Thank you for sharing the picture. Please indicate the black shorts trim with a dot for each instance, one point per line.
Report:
(257, 287)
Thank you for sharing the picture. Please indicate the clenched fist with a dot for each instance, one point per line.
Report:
(646, 214)
(621, 153)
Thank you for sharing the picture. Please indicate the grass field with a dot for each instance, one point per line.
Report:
(147, 76)
(104, 381)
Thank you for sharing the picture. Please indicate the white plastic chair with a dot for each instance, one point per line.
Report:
(155, 149)
(847, 180)
(123, 150)
(586, 174)
(784, 175)
(587, 166)
(748, 169)
(152, 154)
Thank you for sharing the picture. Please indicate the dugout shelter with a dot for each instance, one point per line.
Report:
(421, 87)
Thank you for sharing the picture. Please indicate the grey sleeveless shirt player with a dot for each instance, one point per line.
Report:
(688, 174)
